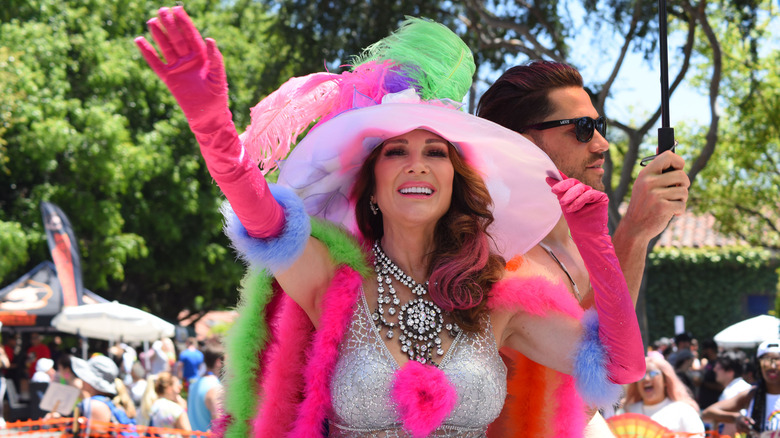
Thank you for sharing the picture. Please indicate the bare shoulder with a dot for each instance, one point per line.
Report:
(100, 411)
(504, 302)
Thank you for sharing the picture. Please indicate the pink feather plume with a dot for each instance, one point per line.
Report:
(279, 118)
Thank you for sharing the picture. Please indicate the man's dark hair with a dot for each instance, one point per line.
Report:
(708, 344)
(519, 98)
(212, 352)
(64, 361)
(682, 337)
(731, 361)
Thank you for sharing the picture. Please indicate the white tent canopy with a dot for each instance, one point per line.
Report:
(749, 333)
(112, 322)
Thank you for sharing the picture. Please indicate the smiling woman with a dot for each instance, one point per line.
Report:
(395, 177)
(663, 397)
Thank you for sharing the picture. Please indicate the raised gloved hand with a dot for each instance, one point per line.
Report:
(585, 211)
(195, 74)
(194, 71)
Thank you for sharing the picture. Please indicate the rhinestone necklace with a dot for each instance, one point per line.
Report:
(420, 321)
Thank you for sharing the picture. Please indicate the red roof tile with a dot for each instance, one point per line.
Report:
(694, 231)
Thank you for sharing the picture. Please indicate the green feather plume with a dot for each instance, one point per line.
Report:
(433, 56)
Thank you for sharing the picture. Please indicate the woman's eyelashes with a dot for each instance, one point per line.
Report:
(431, 151)
(437, 152)
(395, 152)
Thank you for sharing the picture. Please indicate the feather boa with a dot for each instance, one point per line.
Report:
(542, 402)
(424, 397)
(273, 254)
(334, 322)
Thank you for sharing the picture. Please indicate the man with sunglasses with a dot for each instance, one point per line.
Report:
(547, 103)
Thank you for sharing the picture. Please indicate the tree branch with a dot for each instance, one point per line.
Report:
(717, 67)
(770, 222)
(537, 49)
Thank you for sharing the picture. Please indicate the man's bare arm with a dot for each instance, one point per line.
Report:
(655, 199)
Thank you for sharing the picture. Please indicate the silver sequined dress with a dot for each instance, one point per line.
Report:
(363, 377)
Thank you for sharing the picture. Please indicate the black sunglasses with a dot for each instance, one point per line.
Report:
(583, 127)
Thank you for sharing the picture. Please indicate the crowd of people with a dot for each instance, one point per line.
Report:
(692, 388)
(161, 388)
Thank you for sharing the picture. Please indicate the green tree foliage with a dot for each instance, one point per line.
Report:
(740, 186)
(328, 34)
(88, 126)
(706, 285)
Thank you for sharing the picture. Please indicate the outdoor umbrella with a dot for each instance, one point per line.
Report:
(112, 322)
(749, 333)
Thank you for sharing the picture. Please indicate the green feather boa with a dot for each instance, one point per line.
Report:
(249, 334)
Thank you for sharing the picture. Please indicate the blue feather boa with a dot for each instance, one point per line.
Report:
(590, 371)
(277, 253)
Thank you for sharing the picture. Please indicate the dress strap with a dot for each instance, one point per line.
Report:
(565, 271)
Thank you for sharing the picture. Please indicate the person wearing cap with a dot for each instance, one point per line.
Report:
(98, 375)
(388, 231)
(44, 371)
(757, 408)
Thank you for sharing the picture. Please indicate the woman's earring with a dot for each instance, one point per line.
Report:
(373, 206)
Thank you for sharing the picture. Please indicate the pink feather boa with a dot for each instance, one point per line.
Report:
(282, 381)
(334, 323)
(423, 396)
(538, 296)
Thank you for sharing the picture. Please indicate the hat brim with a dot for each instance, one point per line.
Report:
(771, 346)
(82, 370)
(323, 166)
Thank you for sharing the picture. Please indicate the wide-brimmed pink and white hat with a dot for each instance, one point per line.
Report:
(391, 92)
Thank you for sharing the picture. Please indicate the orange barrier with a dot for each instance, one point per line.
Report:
(644, 434)
(70, 427)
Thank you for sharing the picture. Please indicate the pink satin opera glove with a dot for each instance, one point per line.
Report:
(195, 74)
(586, 212)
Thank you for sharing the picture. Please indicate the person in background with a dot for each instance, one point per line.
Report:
(750, 372)
(169, 348)
(709, 389)
(10, 346)
(755, 409)
(683, 361)
(169, 410)
(661, 396)
(138, 386)
(55, 347)
(65, 373)
(44, 371)
(190, 361)
(728, 372)
(99, 375)
(682, 346)
(5, 364)
(157, 357)
(664, 346)
(205, 394)
(37, 350)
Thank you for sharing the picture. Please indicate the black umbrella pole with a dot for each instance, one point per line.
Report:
(665, 132)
